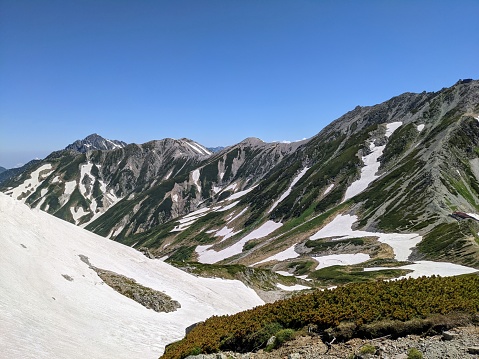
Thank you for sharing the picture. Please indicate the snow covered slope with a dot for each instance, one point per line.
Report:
(52, 305)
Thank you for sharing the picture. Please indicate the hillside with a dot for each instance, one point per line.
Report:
(371, 196)
(372, 310)
(55, 301)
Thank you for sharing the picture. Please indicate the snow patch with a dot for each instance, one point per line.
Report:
(225, 208)
(429, 268)
(226, 233)
(69, 187)
(284, 273)
(371, 165)
(30, 185)
(281, 256)
(288, 191)
(209, 256)
(330, 187)
(292, 288)
(341, 260)
(420, 127)
(238, 215)
(196, 176)
(240, 194)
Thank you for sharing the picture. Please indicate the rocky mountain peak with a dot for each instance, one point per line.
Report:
(95, 142)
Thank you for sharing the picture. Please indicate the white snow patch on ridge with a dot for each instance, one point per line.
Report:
(196, 176)
(288, 191)
(209, 256)
(47, 316)
(420, 127)
(371, 165)
(32, 183)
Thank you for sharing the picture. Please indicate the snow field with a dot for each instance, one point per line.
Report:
(341, 227)
(371, 165)
(53, 305)
(209, 256)
(402, 244)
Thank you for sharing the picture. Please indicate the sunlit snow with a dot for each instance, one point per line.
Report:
(52, 305)
(420, 127)
(288, 253)
(288, 191)
(402, 244)
(31, 184)
(340, 260)
(371, 165)
(209, 256)
(292, 288)
(330, 187)
(429, 268)
(341, 227)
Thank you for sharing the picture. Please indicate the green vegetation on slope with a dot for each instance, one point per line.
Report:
(356, 304)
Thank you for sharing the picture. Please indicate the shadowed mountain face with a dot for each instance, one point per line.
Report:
(403, 166)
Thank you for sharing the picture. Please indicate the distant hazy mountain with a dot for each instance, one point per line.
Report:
(215, 149)
(2, 169)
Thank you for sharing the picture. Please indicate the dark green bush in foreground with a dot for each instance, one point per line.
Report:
(357, 305)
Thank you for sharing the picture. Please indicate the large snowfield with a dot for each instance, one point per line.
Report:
(52, 305)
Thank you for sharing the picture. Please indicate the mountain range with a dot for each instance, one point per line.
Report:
(394, 185)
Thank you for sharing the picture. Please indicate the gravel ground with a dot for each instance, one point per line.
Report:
(459, 343)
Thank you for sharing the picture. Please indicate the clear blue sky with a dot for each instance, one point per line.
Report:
(216, 71)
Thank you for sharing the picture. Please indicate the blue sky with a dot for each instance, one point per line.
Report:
(216, 71)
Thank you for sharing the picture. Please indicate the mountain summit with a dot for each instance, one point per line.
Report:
(95, 142)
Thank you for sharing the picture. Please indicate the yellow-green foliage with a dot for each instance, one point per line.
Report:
(357, 303)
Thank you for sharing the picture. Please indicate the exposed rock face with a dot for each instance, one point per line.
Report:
(147, 297)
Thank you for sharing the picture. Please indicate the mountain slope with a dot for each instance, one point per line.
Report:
(392, 174)
(79, 187)
(53, 304)
(223, 174)
(403, 166)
